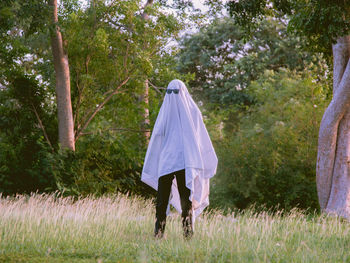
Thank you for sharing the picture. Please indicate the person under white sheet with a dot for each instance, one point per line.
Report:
(180, 159)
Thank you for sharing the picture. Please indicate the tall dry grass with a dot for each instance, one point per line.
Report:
(45, 228)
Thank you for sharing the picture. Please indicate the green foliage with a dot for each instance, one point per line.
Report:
(106, 42)
(102, 165)
(265, 140)
(270, 157)
(321, 22)
(224, 62)
(105, 161)
(23, 168)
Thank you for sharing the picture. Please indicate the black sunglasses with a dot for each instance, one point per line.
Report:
(176, 91)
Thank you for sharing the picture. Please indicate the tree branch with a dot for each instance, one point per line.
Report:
(77, 106)
(118, 25)
(125, 59)
(115, 129)
(42, 127)
(156, 88)
(99, 107)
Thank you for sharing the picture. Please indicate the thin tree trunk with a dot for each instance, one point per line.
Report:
(145, 117)
(63, 96)
(144, 14)
(144, 97)
(42, 127)
(333, 169)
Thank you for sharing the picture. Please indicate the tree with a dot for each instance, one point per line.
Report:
(111, 49)
(23, 20)
(63, 95)
(224, 64)
(28, 122)
(145, 96)
(269, 158)
(326, 26)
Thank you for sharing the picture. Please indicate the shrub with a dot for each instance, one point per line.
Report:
(100, 166)
(270, 158)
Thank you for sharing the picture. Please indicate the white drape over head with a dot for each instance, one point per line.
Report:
(180, 141)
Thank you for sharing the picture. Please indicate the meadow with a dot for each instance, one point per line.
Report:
(47, 228)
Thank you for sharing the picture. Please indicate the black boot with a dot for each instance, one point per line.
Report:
(187, 227)
(159, 228)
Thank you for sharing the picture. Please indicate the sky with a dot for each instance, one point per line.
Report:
(200, 4)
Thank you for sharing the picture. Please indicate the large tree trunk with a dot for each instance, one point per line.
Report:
(63, 96)
(333, 160)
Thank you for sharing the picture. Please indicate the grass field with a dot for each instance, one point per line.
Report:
(42, 228)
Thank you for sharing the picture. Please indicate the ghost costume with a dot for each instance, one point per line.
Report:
(180, 144)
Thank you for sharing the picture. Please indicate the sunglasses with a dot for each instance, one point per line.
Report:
(176, 91)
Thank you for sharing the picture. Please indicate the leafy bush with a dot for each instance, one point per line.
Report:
(103, 162)
(224, 62)
(270, 158)
(101, 165)
(23, 167)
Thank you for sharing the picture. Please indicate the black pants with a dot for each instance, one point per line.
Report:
(164, 188)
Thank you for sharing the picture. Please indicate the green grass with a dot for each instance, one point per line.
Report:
(41, 228)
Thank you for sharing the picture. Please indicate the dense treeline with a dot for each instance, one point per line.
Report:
(112, 51)
(262, 99)
(268, 158)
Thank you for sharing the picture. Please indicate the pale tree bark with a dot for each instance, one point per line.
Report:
(144, 97)
(144, 14)
(146, 122)
(333, 159)
(63, 95)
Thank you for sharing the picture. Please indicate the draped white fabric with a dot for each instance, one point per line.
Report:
(180, 141)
